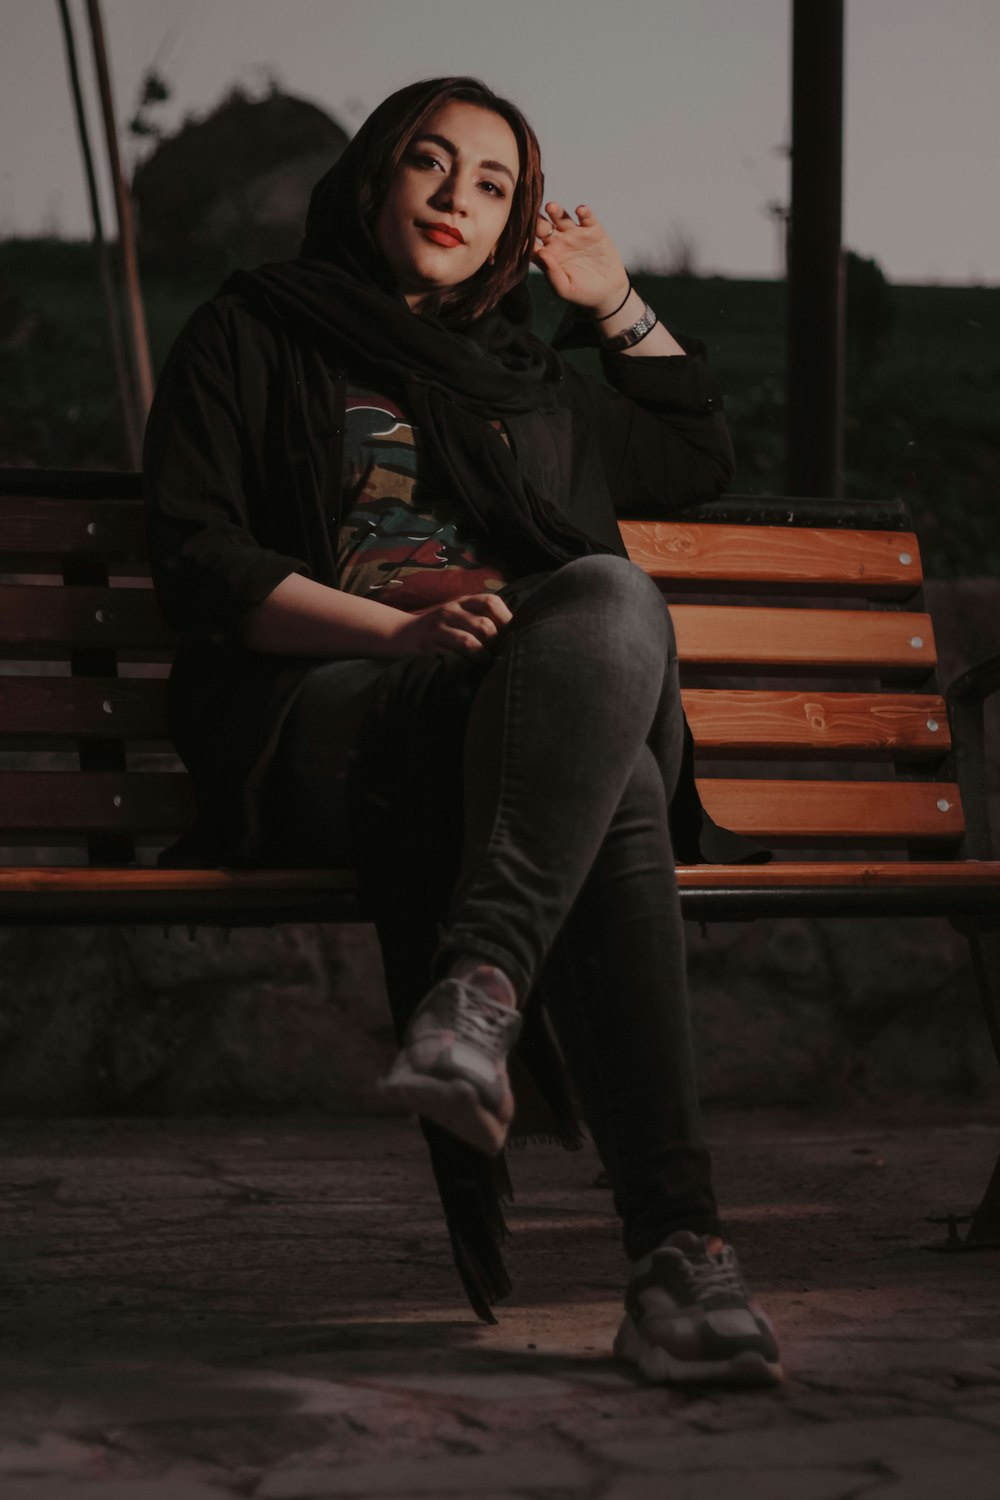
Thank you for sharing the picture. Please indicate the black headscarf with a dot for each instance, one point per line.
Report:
(452, 381)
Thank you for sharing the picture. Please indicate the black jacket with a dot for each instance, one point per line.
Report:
(242, 466)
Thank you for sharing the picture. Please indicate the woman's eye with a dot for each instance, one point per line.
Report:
(494, 189)
(424, 159)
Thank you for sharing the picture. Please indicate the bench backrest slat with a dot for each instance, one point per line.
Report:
(787, 812)
(56, 709)
(34, 617)
(809, 642)
(39, 620)
(878, 564)
(38, 532)
(88, 802)
(749, 721)
(51, 711)
(808, 812)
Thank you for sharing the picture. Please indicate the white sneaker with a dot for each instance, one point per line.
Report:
(452, 1067)
(689, 1317)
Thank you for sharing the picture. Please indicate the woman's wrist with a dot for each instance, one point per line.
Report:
(653, 344)
(623, 316)
(602, 313)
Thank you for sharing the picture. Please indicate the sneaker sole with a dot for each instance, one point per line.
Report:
(660, 1367)
(452, 1104)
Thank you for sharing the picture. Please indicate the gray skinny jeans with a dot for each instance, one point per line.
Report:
(572, 747)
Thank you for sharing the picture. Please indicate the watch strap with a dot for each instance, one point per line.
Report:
(631, 336)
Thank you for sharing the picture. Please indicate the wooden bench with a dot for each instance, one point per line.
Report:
(884, 813)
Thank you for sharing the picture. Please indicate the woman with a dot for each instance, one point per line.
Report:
(382, 516)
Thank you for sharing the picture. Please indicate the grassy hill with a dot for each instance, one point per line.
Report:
(921, 414)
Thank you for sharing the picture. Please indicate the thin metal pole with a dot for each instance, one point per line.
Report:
(815, 275)
(126, 398)
(123, 202)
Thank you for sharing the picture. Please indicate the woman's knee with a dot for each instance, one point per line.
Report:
(618, 591)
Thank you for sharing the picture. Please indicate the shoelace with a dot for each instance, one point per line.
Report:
(475, 1022)
(718, 1277)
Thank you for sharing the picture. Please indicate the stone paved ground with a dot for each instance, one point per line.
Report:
(199, 1310)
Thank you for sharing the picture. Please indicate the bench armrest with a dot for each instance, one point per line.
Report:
(977, 684)
(965, 699)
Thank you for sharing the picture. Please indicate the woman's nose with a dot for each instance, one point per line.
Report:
(452, 194)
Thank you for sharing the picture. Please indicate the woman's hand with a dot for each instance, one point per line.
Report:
(580, 260)
(463, 626)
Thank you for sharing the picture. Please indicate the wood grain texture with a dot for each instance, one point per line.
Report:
(740, 721)
(878, 563)
(810, 642)
(859, 812)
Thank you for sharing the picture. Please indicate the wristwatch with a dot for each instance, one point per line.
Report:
(631, 336)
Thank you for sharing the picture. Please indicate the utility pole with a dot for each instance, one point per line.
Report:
(815, 274)
(123, 202)
(130, 422)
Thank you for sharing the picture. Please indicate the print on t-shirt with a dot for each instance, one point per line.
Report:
(402, 540)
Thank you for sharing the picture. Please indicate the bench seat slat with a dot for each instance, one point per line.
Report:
(809, 642)
(81, 802)
(876, 874)
(35, 895)
(882, 564)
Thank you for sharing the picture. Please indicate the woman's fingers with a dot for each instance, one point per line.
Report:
(488, 604)
(561, 217)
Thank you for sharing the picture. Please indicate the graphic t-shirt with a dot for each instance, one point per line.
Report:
(402, 540)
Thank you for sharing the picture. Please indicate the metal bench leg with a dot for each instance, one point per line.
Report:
(985, 949)
(984, 1224)
(984, 945)
(984, 1232)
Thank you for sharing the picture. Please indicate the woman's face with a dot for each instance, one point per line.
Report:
(449, 199)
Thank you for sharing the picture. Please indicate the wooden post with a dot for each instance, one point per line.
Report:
(123, 202)
(126, 397)
(815, 276)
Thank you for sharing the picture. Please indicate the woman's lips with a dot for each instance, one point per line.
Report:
(440, 236)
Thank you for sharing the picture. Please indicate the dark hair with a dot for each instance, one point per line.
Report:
(398, 127)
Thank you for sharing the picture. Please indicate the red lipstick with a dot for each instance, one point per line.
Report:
(442, 234)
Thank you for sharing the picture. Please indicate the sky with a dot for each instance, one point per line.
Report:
(669, 117)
